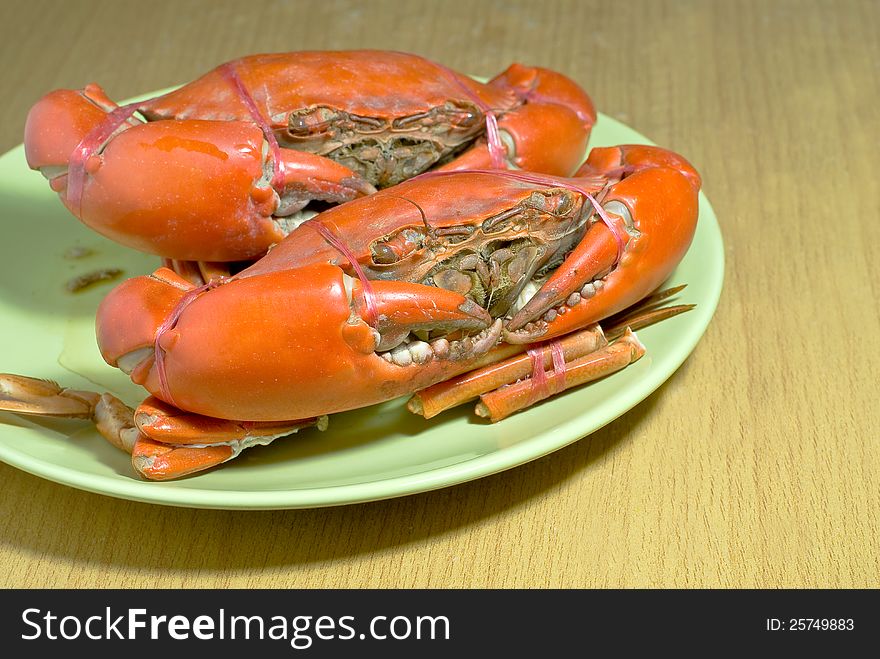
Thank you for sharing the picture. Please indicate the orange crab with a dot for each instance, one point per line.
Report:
(224, 167)
(430, 281)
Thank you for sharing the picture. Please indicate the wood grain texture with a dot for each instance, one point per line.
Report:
(755, 465)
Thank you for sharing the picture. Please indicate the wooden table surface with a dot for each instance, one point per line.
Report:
(755, 465)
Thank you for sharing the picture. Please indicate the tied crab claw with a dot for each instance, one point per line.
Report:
(221, 169)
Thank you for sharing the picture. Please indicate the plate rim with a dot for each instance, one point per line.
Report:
(487, 464)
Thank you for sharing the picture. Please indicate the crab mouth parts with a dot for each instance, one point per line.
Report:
(387, 162)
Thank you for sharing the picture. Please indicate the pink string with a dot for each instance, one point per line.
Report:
(342, 248)
(547, 179)
(497, 152)
(228, 71)
(539, 377)
(539, 381)
(169, 323)
(76, 168)
(558, 366)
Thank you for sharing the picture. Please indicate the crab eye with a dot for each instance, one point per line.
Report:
(467, 119)
(565, 204)
(397, 246)
(366, 124)
(383, 254)
(559, 203)
(463, 116)
(310, 122)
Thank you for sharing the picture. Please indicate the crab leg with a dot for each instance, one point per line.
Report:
(468, 386)
(647, 312)
(198, 273)
(506, 400)
(156, 461)
(24, 395)
(30, 396)
(163, 441)
(173, 443)
(504, 369)
(189, 270)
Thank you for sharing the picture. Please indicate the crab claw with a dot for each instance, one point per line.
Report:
(165, 423)
(652, 209)
(58, 122)
(203, 192)
(618, 161)
(126, 333)
(554, 106)
(325, 356)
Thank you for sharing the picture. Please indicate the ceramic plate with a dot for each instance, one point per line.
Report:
(374, 453)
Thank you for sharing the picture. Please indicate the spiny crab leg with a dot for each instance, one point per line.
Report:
(647, 312)
(164, 442)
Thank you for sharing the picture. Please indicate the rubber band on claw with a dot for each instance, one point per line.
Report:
(342, 248)
(94, 139)
(541, 384)
(228, 71)
(497, 152)
(558, 356)
(169, 323)
(539, 377)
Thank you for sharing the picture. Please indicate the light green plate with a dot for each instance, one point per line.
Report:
(374, 453)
